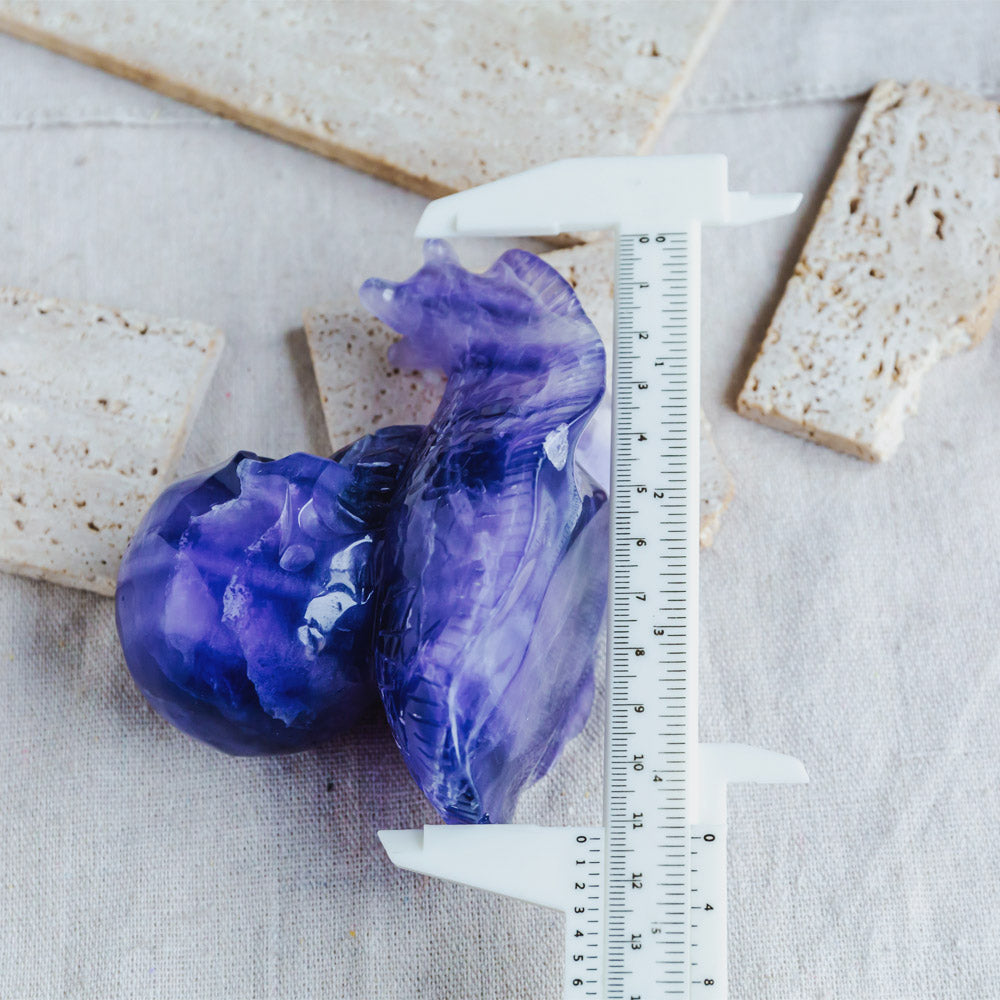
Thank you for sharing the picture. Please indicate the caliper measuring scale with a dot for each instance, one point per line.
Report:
(644, 894)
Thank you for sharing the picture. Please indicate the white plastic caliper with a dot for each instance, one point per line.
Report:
(644, 894)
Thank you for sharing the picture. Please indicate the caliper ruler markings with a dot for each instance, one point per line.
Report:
(644, 894)
(654, 590)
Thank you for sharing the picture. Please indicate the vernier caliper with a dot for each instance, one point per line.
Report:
(644, 894)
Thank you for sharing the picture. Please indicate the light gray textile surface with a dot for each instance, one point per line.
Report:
(770, 52)
(850, 612)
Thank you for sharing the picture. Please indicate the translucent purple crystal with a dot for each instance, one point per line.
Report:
(244, 602)
(463, 561)
(493, 570)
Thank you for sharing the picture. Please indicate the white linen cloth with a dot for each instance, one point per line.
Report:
(850, 612)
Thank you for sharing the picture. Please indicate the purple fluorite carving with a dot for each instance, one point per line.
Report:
(244, 602)
(463, 560)
(494, 564)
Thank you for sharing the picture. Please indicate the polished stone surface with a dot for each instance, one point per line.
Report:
(244, 602)
(494, 564)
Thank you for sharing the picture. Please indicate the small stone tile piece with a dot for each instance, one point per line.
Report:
(902, 268)
(95, 408)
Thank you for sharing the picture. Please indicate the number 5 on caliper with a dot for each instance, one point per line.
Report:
(645, 894)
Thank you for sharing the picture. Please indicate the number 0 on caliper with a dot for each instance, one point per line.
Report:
(645, 894)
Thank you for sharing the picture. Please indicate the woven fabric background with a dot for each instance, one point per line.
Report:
(850, 612)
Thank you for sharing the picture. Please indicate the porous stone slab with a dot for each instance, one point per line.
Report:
(901, 269)
(359, 388)
(95, 407)
(435, 96)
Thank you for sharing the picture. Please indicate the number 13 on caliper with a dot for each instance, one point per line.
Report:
(645, 894)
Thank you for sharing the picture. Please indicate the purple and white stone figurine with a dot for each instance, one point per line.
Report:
(493, 568)
(460, 569)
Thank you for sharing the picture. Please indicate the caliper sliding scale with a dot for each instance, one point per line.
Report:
(645, 894)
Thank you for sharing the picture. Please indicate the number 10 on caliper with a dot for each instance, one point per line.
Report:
(644, 894)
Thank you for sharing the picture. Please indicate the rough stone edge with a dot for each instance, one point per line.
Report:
(711, 519)
(236, 111)
(976, 330)
(106, 586)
